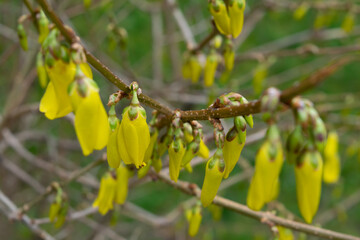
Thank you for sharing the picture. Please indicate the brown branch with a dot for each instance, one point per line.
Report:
(302, 51)
(105, 71)
(193, 190)
(204, 114)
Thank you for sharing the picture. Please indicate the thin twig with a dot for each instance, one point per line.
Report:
(193, 190)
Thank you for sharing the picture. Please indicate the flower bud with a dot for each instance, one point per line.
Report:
(294, 144)
(134, 135)
(308, 174)
(41, 71)
(348, 23)
(112, 150)
(194, 217)
(196, 69)
(249, 119)
(234, 143)
(217, 41)
(210, 69)
(259, 75)
(229, 56)
(22, 37)
(43, 27)
(268, 164)
(215, 169)
(285, 233)
(203, 149)
(236, 13)
(122, 183)
(106, 196)
(219, 12)
(301, 10)
(176, 154)
(332, 164)
(319, 134)
(216, 212)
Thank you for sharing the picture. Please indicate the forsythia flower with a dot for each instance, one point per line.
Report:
(236, 14)
(133, 133)
(215, 169)
(264, 183)
(285, 233)
(41, 70)
(234, 143)
(122, 180)
(348, 23)
(203, 149)
(194, 218)
(112, 149)
(229, 56)
(308, 173)
(331, 159)
(196, 68)
(91, 120)
(219, 12)
(106, 196)
(176, 154)
(301, 10)
(210, 69)
(56, 102)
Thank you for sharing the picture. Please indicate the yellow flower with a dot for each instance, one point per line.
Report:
(112, 150)
(91, 121)
(219, 12)
(41, 71)
(133, 134)
(233, 145)
(210, 69)
(204, 151)
(150, 149)
(194, 218)
(331, 159)
(176, 154)
(285, 233)
(122, 181)
(56, 102)
(196, 69)
(106, 196)
(236, 13)
(264, 183)
(301, 10)
(229, 57)
(308, 173)
(213, 175)
(348, 23)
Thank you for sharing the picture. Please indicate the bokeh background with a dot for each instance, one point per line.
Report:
(152, 56)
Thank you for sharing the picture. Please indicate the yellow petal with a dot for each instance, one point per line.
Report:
(150, 148)
(221, 18)
(130, 137)
(236, 13)
(212, 180)
(122, 181)
(232, 150)
(203, 150)
(308, 184)
(122, 148)
(175, 159)
(194, 223)
(89, 121)
(113, 155)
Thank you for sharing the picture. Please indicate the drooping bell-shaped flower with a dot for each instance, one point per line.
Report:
(91, 120)
(122, 183)
(196, 68)
(106, 196)
(214, 173)
(233, 145)
(210, 69)
(268, 163)
(176, 154)
(133, 134)
(194, 218)
(112, 149)
(308, 173)
(229, 55)
(236, 14)
(56, 102)
(41, 70)
(331, 159)
(219, 12)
